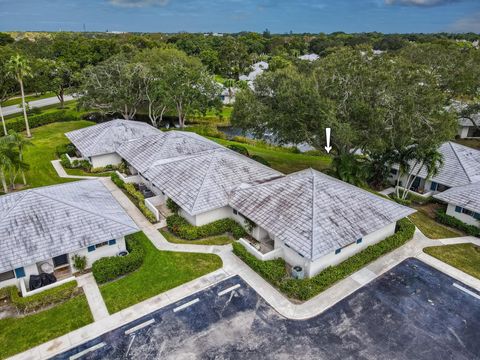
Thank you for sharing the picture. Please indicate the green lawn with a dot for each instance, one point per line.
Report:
(80, 172)
(18, 100)
(45, 140)
(283, 160)
(20, 334)
(213, 240)
(161, 271)
(465, 257)
(432, 229)
(44, 110)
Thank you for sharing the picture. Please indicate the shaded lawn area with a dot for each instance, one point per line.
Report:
(283, 160)
(473, 143)
(212, 240)
(161, 271)
(432, 229)
(18, 100)
(465, 257)
(20, 334)
(45, 140)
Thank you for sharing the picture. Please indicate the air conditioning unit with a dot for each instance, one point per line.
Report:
(297, 272)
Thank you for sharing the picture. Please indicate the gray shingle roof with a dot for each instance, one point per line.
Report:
(41, 223)
(314, 213)
(106, 137)
(461, 165)
(202, 182)
(467, 196)
(144, 153)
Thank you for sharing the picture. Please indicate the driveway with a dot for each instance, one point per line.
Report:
(411, 312)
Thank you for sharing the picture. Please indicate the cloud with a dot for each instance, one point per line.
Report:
(421, 3)
(469, 23)
(138, 3)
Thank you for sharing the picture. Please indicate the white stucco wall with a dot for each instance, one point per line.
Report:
(463, 132)
(104, 251)
(208, 216)
(467, 219)
(104, 160)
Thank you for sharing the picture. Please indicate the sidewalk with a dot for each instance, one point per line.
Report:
(63, 174)
(94, 297)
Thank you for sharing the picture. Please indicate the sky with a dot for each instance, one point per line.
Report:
(279, 16)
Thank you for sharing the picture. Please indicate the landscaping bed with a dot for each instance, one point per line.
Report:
(451, 221)
(465, 257)
(274, 271)
(159, 272)
(184, 230)
(211, 240)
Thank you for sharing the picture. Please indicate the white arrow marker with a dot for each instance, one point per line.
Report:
(327, 133)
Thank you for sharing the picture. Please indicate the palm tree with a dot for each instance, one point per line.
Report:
(7, 161)
(19, 68)
(20, 143)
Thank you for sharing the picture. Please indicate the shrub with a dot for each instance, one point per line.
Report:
(45, 298)
(130, 188)
(5, 292)
(117, 181)
(451, 221)
(261, 160)
(18, 124)
(239, 149)
(79, 262)
(65, 149)
(65, 162)
(183, 229)
(110, 268)
(307, 288)
(172, 206)
(146, 211)
(405, 202)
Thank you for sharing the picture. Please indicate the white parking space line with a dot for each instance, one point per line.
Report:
(230, 289)
(184, 306)
(86, 351)
(466, 291)
(139, 326)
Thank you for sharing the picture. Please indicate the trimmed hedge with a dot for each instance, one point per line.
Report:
(183, 229)
(110, 268)
(274, 270)
(451, 221)
(18, 124)
(45, 298)
(260, 159)
(239, 149)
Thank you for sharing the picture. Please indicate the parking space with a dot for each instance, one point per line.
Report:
(411, 312)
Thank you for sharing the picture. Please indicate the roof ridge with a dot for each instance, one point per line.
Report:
(460, 161)
(16, 203)
(103, 132)
(85, 210)
(313, 215)
(212, 160)
(281, 178)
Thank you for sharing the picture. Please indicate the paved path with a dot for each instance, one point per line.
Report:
(13, 109)
(94, 297)
(63, 174)
(234, 266)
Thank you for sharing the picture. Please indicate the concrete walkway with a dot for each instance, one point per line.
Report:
(233, 266)
(63, 174)
(94, 297)
(13, 109)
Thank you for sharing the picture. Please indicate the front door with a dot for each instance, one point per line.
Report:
(60, 261)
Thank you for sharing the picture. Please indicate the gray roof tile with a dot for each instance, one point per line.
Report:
(467, 196)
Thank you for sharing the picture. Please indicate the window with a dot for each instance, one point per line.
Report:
(458, 209)
(467, 212)
(19, 272)
(359, 241)
(433, 186)
(60, 260)
(338, 251)
(235, 212)
(99, 245)
(112, 242)
(91, 248)
(7, 275)
(393, 171)
(476, 216)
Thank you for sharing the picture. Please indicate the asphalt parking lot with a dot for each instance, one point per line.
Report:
(411, 312)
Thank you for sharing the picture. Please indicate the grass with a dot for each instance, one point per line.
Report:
(282, 160)
(212, 240)
(465, 257)
(432, 229)
(45, 140)
(45, 110)
(20, 334)
(161, 271)
(80, 172)
(18, 100)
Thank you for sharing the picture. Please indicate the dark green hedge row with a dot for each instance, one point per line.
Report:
(451, 221)
(34, 121)
(274, 270)
(109, 268)
(46, 298)
(183, 229)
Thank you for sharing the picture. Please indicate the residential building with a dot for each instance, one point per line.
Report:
(98, 143)
(467, 128)
(313, 220)
(43, 228)
(463, 203)
(461, 166)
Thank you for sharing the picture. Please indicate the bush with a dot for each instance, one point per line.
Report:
(405, 202)
(239, 149)
(18, 124)
(451, 221)
(172, 206)
(65, 149)
(130, 188)
(79, 262)
(46, 298)
(261, 160)
(183, 229)
(274, 270)
(146, 211)
(109, 268)
(117, 181)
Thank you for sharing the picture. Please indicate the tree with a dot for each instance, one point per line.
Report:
(10, 163)
(20, 142)
(7, 83)
(62, 79)
(19, 68)
(113, 86)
